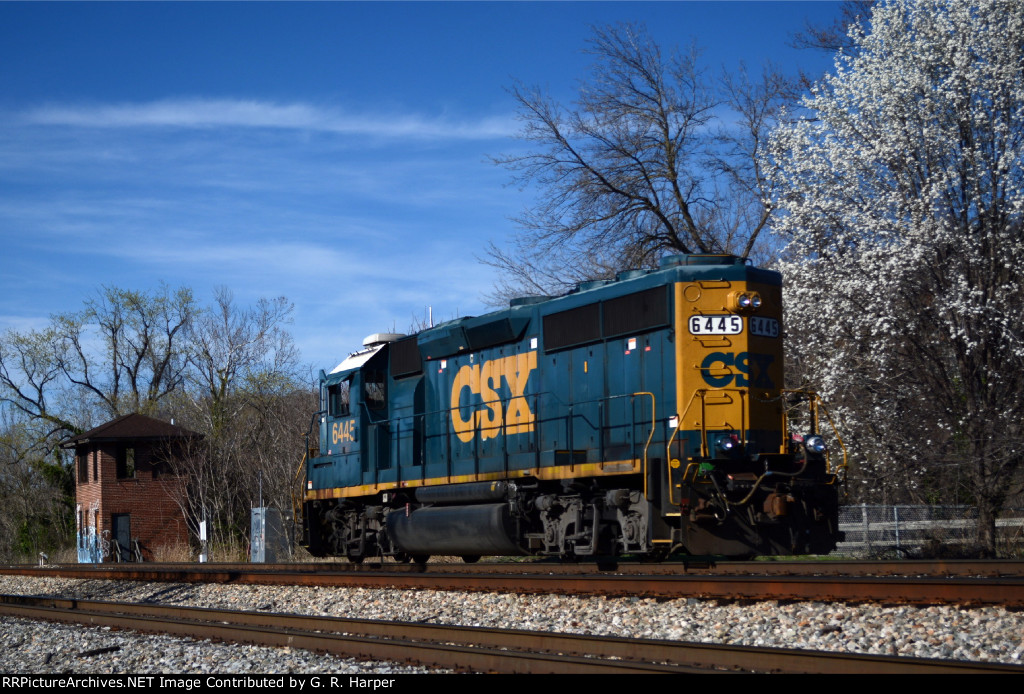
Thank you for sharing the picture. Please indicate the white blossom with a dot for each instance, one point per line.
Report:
(902, 201)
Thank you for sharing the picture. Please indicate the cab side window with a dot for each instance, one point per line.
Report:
(338, 399)
(375, 395)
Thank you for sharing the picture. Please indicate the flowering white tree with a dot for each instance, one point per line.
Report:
(903, 204)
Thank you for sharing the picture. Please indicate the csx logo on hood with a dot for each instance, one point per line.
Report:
(492, 410)
(752, 368)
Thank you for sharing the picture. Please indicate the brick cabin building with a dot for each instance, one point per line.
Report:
(126, 492)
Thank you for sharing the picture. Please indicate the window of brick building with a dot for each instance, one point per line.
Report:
(83, 467)
(126, 463)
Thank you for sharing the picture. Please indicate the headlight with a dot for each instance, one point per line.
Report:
(745, 301)
(815, 444)
(727, 444)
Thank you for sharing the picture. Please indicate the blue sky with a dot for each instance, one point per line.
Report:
(333, 153)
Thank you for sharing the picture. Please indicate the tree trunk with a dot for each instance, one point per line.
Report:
(986, 529)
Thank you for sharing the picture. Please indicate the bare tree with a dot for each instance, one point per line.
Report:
(635, 168)
(31, 379)
(244, 394)
(227, 372)
(252, 459)
(140, 361)
(122, 353)
(229, 345)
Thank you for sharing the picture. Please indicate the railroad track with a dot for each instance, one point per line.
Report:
(964, 568)
(475, 649)
(1003, 590)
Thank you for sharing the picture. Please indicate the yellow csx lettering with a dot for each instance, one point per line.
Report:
(485, 380)
(343, 431)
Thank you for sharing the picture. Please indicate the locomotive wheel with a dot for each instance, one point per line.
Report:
(420, 558)
(356, 559)
(470, 558)
(401, 558)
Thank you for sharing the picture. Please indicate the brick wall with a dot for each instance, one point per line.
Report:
(148, 497)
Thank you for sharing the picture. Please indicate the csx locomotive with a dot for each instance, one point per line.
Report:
(643, 415)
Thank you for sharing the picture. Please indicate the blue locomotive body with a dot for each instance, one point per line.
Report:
(642, 415)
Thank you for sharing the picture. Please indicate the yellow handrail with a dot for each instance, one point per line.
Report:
(814, 403)
(650, 436)
(297, 499)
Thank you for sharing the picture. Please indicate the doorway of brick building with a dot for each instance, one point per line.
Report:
(122, 532)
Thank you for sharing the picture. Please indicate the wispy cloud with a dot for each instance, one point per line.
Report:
(242, 113)
(361, 219)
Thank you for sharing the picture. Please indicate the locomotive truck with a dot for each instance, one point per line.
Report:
(644, 415)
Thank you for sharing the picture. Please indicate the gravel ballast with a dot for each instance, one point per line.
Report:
(991, 634)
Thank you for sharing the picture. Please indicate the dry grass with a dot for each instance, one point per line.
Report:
(178, 552)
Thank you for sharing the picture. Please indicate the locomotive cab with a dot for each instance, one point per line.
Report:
(353, 443)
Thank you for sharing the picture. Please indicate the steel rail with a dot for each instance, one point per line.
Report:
(404, 650)
(1003, 591)
(476, 648)
(917, 567)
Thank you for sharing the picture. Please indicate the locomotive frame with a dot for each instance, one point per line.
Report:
(644, 415)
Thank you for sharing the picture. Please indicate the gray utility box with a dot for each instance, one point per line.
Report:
(268, 542)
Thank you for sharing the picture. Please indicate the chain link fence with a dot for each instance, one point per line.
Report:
(923, 531)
